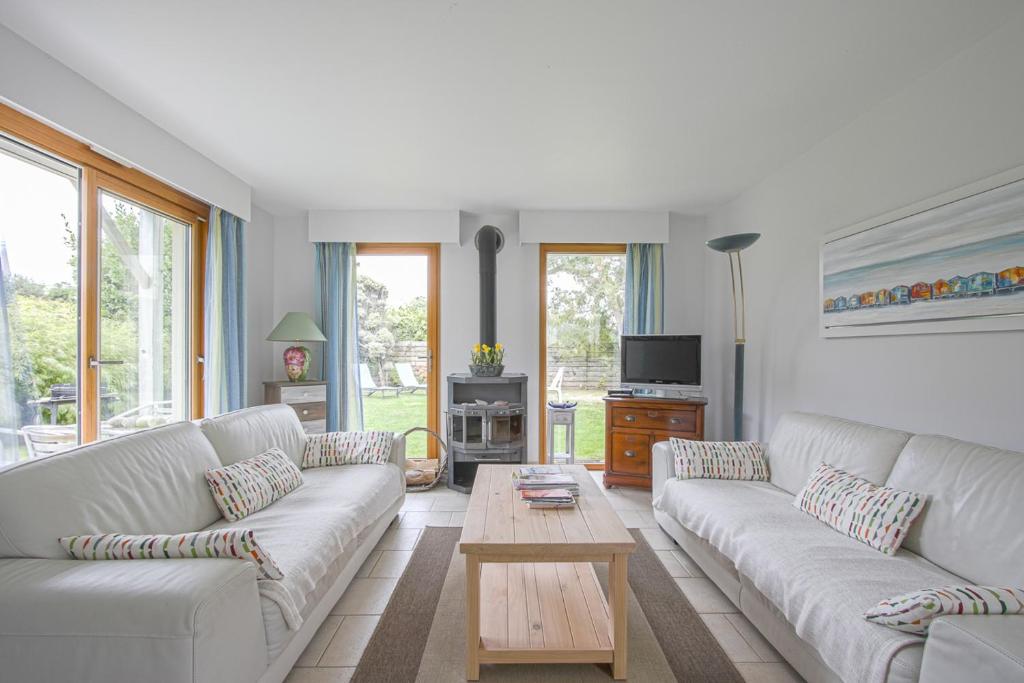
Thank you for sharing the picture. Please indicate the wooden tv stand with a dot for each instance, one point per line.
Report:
(632, 425)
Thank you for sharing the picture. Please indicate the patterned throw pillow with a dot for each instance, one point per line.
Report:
(876, 515)
(913, 612)
(226, 543)
(719, 460)
(347, 448)
(252, 484)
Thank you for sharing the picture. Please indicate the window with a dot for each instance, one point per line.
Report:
(582, 302)
(100, 295)
(398, 301)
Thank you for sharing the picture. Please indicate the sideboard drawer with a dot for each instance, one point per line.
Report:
(309, 412)
(631, 453)
(304, 394)
(654, 418)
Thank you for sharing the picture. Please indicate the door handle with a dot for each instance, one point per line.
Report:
(93, 363)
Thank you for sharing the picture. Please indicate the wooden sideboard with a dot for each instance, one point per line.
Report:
(633, 425)
(308, 398)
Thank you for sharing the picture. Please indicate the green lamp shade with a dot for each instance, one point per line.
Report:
(295, 327)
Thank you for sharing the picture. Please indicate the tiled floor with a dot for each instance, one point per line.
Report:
(335, 650)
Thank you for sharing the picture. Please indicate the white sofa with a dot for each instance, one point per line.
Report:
(806, 587)
(171, 621)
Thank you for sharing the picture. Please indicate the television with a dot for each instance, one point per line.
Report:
(661, 361)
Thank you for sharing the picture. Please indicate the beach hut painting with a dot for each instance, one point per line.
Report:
(954, 263)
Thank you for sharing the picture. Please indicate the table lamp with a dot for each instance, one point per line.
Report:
(732, 245)
(296, 327)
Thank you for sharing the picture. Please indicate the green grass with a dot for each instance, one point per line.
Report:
(410, 410)
(397, 415)
(589, 424)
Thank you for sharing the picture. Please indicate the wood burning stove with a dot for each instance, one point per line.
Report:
(486, 424)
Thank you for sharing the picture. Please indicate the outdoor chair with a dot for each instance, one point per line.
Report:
(369, 386)
(408, 378)
(556, 383)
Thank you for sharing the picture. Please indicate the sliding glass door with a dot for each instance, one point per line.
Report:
(100, 295)
(143, 366)
(39, 237)
(397, 297)
(582, 301)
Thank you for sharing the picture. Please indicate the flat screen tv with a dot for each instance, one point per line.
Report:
(661, 359)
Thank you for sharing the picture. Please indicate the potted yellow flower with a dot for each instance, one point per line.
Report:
(486, 361)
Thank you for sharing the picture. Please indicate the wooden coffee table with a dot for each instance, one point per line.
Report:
(529, 572)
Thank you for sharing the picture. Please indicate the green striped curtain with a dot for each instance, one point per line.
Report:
(645, 289)
(225, 314)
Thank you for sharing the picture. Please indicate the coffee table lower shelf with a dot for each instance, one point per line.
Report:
(545, 613)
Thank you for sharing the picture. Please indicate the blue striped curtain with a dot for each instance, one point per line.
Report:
(339, 320)
(225, 314)
(645, 289)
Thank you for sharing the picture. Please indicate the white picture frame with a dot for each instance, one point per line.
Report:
(950, 210)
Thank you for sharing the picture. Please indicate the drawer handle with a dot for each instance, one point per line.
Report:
(675, 420)
(305, 412)
(652, 413)
(631, 418)
(629, 454)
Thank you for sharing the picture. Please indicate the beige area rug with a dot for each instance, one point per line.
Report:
(421, 636)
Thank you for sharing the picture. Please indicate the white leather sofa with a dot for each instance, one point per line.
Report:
(806, 587)
(170, 621)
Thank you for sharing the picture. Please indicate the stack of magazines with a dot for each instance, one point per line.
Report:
(548, 498)
(545, 486)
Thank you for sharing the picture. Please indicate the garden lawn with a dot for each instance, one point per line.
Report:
(388, 413)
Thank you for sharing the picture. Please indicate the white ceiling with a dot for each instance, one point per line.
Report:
(494, 104)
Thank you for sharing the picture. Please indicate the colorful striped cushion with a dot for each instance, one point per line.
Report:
(913, 612)
(876, 515)
(719, 460)
(252, 484)
(237, 544)
(347, 448)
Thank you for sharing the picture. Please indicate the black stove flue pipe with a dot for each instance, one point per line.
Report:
(489, 242)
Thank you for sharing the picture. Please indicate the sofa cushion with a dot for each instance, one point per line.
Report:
(347, 448)
(914, 612)
(719, 460)
(876, 515)
(307, 530)
(252, 484)
(149, 482)
(971, 525)
(234, 544)
(802, 441)
(821, 580)
(244, 433)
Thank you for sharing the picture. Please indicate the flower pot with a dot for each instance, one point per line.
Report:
(486, 370)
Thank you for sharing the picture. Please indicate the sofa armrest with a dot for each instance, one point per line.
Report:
(398, 452)
(169, 621)
(663, 467)
(974, 648)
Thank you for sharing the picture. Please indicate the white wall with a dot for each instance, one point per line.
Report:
(518, 293)
(259, 283)
(960, 123)
(39, 85)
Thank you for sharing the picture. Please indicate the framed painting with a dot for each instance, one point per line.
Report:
(952, 263)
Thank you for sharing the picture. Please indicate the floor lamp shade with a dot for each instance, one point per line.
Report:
(731, 246)
(295, 327)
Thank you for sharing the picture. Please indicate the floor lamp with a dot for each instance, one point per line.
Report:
(732, 245)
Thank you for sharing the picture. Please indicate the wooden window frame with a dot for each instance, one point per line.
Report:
(101, 173)
(432, 250)
(545, 249)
